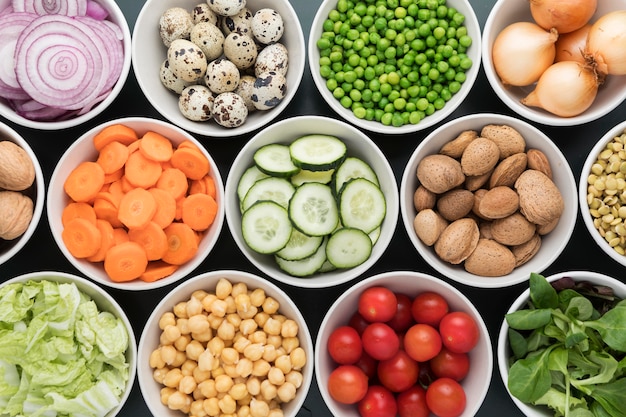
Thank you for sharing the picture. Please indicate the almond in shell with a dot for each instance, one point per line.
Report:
(423, 198)
(539, 161)
(490, 259)
(458, 240)
(456, 146)
(498, 202)
(480, 157)
(440, 173)
(454, 204)
(512, 230)
(525, 252)
(428, 226)
(508, 139)
(539, 198)
(17, 213)
(508, 170)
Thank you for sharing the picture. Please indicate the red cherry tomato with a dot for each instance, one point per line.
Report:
(398, 373)
(426, 374)
(378, 402)
(422, 342)
(368, 364)
(459, 331)
(344, 345)
(412, 402)
(358, 322)
(380, 341)
(377, 304)
(445, 398)
(429, 308)
(347, 384)
(403, 319)
(450, 364)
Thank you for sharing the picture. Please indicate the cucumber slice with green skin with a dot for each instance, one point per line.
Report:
(353, 167)
(305, 175)
(278, 190)
(362, 205)
(300, 246)
(348, 247)
(304, 267)
(317, 152)
(275, 160)
(266, 227)
(313, 209)
(248, 178)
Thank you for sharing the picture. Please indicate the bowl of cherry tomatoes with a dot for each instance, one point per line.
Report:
(405, 343)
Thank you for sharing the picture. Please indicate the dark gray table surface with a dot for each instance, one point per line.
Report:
(41, 253)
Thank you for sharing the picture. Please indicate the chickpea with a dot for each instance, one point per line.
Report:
(211, 406)
(259, 408)
(215, 345)
(156, 360)
(223, 383)
(268, 390)
(234, 319)
(199, 294)
(270, 305)
(214, 320)
(238, 391)
(244, 367)
(187, 384)
(179, 359)
(201, 375)
(295, 378)
(178, 401)
(275, 376)
(247, 326)
(253, 385)
(196, 409)
(169, 334)
(227, 404)
(182, 342)
(253, 351)
(208, 301)
(180, 310)
(198, 323)
(276, 412)
(172, 378)
(231, 307)
(272, 326)
(203, 337)
(283, 362)
(166, 392)
(286, 392)
(274, 340)
(188, 366)
(226, 331)
(260, 318)
(269, 353)
(241, 343)
(223, 288)
(229, 356)
(218, 308)
(207, 388)
(298, 358)
(167, 319)
(206, 361)
(258, 336)
(194, 306)
(257, 297)
(289, 328)
(182, 325)
(159, 374)
(168, 354)
(194, 349)
(291, 343)
(244, 411)
(239, 288)
(260, 367)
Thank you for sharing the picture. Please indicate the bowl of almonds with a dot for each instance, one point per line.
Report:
(487, 198)
(22, 192)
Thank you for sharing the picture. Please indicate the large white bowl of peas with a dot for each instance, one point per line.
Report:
(394, 68)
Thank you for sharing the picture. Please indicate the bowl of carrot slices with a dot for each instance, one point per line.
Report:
(136, 203)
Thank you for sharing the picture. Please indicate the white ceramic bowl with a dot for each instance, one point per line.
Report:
(588, 219)
(116, 16)
(83, 150)
(503, 350)
(552, 244)
(36, 192)
(476, 383)
(105, 302)
(149, 52)
(149, 340)
(473, 52)
(359, 145)
(505, 12)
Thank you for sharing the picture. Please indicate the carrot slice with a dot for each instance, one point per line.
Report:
(112, 157)
(78, 210)
(114, 133)
(136, 208)
(197, 187)
(210, 186)
(84, 181)
(182, 243)
(125, 262)
(166, 207)
(174, 181)
(120, 235)
(188, 144)
(152, 238)
(107, 240)
(81, 237)
(157, 270)
(133, 147)
(191, 161)
(110, 197)
(156, 147)
(199, 211)
(141, 171)
(113, 176)
(106, 210)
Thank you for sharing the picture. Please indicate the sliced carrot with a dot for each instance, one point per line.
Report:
(174, 181)
(107, 240)
(113, 176)
(188, 144)
(197, 187)
(157, 270)
(126, 185)
(166, 165)
(133, 147)
(125, 262)
(81, 237)
(114, 199)
(152, 238)
(141, 171)
(179, 209)
(199, 211)
(182, 243)
(120, 235)
(78, 210)
(166, 207)
(117, 189)
(210, 186)
(114, 133)
(156, 147)
(191, 161)
(84, 181)
(112, 157)
(106, 210)
(136, 208)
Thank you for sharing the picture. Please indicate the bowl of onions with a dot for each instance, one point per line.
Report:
(70, 60)
(557, 62)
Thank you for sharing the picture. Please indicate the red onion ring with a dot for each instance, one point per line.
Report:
(11, 26)
(60, 7)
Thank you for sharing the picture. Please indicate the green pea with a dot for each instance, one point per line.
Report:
(355, 95)
(454, 87)
(325, 71)
(338, 93)
(346, 101)
(360, 112)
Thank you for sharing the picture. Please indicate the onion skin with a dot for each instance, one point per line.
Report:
(571, 46)
(565, 89)
(563, 15)
(522, 51)
(606, 43)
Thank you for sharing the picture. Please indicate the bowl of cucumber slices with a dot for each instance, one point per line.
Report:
(311, 201)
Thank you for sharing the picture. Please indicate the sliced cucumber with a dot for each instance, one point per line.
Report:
(348, 247)
(317, 152)
(353, 167)
(300, 246)
(327, 267)
(307, 266)
(305, 175)
(276, 189)
(375, 234)
(313, 209)
(274, 159)
(249, 177)
(362, 205)
(265, 227)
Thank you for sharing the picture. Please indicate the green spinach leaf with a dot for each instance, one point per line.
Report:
(529, 378)
(542, 293)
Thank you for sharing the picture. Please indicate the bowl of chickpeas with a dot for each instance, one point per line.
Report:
(225, 343)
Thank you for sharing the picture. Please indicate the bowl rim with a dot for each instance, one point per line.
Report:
(200, 127)
(183, 270)
(118, 17)
(440, 115)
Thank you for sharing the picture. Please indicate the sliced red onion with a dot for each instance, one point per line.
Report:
(60, 7)
(11, 26)
(44, 113)
(96, 11)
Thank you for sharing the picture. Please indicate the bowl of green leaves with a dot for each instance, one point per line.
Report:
(562, 345)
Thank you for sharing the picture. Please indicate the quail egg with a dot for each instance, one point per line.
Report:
(203, 13)
(222, 76)
(229, 110)
(187, 61)
(267, 26)
(241, 22)
(226, 7)
(196, 103)
(274, 57)
(170, 80)
(175, 23)
(240, 49)
(209, 38)
(269, 89)
(244, 89)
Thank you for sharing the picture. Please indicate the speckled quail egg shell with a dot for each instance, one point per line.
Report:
(203, 13)
(267, 25)
(229, 110)
(241, 50)
(241, 22)
(274, 57)
(175, 23)
(222, 76)
(209, 38)
(269, 89)
(226, 7)
(244, 89)
(187, 61)
(196, 103)
(170, 80)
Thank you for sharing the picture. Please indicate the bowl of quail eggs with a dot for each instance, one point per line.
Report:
(220, 68)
